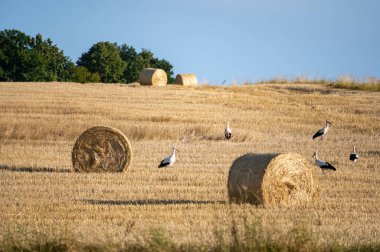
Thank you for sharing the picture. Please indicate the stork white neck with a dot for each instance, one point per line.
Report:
(173, 153)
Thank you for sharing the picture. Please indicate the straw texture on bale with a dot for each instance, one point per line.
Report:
(272, 179)
(153, 76)
(186, 79)
(101, 149)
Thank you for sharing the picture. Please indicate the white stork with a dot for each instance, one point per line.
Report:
(228, 131)
(322, 132)
(323, 164)
(354, 156)
(168, 161)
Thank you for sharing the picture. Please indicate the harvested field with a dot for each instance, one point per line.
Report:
(186, 205)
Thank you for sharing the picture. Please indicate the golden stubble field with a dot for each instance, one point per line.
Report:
(41, 196)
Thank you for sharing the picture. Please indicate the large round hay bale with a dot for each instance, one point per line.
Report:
(186, 79)
(153, 76)
(101, 149)
(272, 179)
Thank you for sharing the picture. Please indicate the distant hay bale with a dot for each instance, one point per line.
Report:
(186, 79)
(101, 149)
(153, 76)
(272, 179)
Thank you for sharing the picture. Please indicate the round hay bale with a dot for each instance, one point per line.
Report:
(186, 80)
(272, 179)
(101, 149)
(153, 76)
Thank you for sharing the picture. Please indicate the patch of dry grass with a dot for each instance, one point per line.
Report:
(41, 196)
(343, 82)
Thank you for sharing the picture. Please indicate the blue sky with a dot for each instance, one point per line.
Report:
(218, 40)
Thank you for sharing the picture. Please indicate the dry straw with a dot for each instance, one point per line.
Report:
(272, 179)
(153, 76)
(186, 79)
(101, 149)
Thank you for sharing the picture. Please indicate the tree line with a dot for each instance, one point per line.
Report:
(27, 58)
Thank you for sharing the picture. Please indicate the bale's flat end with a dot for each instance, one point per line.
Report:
(101, 149)
(290, 180)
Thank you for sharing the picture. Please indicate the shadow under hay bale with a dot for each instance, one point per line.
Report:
(153, 77)
(186, 80)
(101, 149)
(272, 179)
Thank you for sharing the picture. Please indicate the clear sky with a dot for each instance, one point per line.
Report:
(218, 40)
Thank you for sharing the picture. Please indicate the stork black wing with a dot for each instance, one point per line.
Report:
(163, 164)
(319, 133)
(353, 157)
(227, 135)
(328, 166)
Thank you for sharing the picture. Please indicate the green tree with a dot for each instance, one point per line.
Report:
(26, 58)
(56, 62)
(104, 58)
(81, 74)
(129, 55)
(14, 54)
(145, 58)
(135, 62)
